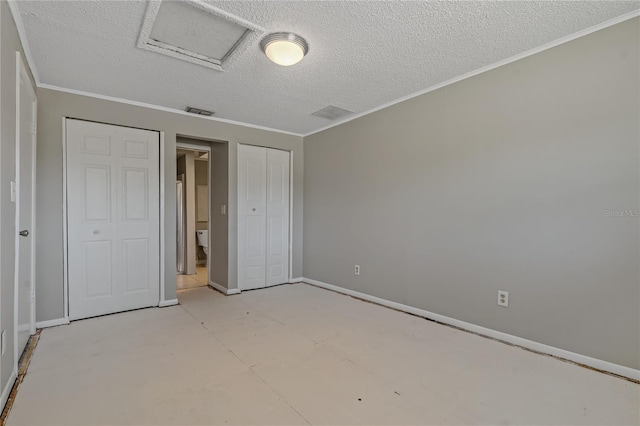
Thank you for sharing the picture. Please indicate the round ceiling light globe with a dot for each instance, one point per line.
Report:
(284, 48)
(284, 53)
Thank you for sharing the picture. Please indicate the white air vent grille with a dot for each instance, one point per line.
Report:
(196, 32)
(332, 112)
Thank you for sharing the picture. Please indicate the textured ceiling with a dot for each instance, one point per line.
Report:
(362, 54)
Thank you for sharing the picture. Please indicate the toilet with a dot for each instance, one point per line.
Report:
(203, 240)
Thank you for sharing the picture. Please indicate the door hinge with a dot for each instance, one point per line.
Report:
(33, 296)
(34, 128)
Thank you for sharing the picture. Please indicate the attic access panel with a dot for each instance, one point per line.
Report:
(196, 32)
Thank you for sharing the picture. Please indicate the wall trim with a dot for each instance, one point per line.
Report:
(7, 389)
(530, 52)
(52, 323)
(296, 280)
(165, 303)
(165, 109)
(223, 289)
(595, 363)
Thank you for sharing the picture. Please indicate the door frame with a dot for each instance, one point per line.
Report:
(22, 73)
(290, 272)
(207, 148)
(162, 302)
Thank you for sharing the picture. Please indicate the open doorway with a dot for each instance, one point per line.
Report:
(192, 216)
(202, 189)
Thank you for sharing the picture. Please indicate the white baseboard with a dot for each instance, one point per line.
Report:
(52, 323)
(7, 390)
(598, 364)
(296, 280)
(223, 289)
(170, 302)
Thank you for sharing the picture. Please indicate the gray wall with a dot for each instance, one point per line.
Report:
(54, 105)
(500, 181)
(218, 229)
(10, 44)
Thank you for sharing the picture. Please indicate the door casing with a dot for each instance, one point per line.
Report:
(23, 75)
(290, 224)
(203, 147)
(65, 241)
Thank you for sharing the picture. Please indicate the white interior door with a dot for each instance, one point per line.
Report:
(25, 208)
(113, 213)
(277, 216)
(263, 217)
(252, 205)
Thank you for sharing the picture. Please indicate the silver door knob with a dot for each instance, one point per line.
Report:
(96, 231)
(24, 233)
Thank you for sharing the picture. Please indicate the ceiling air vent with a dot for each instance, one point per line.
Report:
(196, 32)
(332, 112)
(199, 111)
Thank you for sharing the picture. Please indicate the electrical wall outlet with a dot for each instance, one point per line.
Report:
(223, 209)
(503, 298)
(356, 270)
(3, 342)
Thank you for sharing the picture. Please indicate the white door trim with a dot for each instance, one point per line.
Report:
(65, 240)
(194, 147)
(22, 73)
(162, 302)
(290, 215)
(207, 148)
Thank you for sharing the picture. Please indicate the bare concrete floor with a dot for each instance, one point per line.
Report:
(296, 354)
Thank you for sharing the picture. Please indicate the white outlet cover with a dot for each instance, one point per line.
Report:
(13, 192)
(503, 298)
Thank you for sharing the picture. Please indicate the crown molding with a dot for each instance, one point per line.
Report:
(165, 109)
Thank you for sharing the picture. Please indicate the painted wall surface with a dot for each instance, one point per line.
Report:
(524, 178)
(54, 105)
(218, 229)
(10, 44)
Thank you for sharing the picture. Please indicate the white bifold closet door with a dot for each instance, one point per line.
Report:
(113, 218)
(263, 217)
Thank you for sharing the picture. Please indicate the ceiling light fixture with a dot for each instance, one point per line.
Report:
(284, 48)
